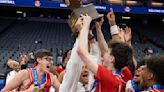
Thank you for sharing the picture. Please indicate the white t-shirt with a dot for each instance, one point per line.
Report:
(73, 72)
(71, 78)
(81, 88)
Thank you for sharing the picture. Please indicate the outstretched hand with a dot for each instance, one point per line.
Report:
(121, 35)
(86, 20)
(111, 18)
(128, 35)
(125, 35)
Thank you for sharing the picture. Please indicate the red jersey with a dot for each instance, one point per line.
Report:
(126, 74)
(59, 69)
(47, 85)
(108, 81)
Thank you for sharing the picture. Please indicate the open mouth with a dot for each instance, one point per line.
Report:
(48, 67)
(85, 74)
(137, 75)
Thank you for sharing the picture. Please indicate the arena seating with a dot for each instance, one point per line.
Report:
(24, 38)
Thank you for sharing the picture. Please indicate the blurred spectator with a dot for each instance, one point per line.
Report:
(65, 59)
(23, 60)
(59, 56)
(150, 51)
(31, 57)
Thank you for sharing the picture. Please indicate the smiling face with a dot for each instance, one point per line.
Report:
(45, 62)
(138, 76)
(84, 75)
(146, 77)
(44, 59)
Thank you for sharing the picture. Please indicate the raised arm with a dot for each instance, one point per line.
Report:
(116, 32)
(128, 40)
(73, 68)
(72, 73)
(83, 45)
(100, 37)
(113, 27)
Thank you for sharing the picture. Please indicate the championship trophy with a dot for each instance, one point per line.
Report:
(78, 10)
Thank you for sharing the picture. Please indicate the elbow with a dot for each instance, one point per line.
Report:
(80, 51)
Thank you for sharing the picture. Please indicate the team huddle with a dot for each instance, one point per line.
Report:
(93, 65)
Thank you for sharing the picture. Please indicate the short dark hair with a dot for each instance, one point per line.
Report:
(41, 53)
(122, 52)
(156, 64)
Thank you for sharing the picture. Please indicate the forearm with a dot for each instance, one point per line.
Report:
(83, 39)
(134, 62)
(101, 40)
(83, 50)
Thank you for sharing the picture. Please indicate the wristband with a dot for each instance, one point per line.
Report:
(114, 30)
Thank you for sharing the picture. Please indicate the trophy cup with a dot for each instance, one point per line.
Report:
(78, 9)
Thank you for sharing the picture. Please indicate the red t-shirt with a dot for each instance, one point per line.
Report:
(108, 81)
(47, 85)
(126, 74)
(59, 69)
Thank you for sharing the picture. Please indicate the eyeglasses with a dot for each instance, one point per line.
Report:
(48, 58)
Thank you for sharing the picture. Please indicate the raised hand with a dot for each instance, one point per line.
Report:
(121, 35)
(128, 35)
(98, 24)
(86, 20)
(111, 18)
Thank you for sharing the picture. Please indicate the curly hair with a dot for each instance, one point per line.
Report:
(156, 65)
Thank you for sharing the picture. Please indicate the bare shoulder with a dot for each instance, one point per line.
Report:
(23, 74)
